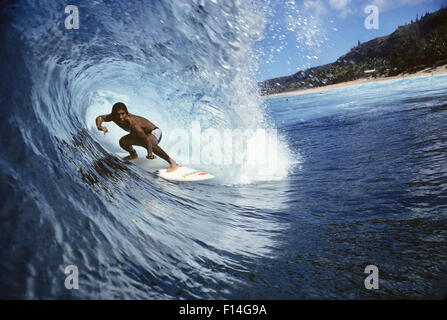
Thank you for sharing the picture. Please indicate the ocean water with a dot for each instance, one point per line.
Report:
(338, 181)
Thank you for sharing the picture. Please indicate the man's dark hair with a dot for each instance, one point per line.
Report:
(119, 106)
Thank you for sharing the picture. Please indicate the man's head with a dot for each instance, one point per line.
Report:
(119, 112)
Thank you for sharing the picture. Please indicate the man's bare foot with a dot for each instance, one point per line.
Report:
(173, 167)
(150, 156)
(131, 156)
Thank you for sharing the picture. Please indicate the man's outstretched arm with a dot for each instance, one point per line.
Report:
(100, 119)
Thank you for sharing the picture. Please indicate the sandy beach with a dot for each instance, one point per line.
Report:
(423, 73)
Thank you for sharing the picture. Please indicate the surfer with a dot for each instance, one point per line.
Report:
(143, 133)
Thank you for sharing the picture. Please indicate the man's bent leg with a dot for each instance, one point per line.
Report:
(129, 140)
(160, 152)
(126, 143)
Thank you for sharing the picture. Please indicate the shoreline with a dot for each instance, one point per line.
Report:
(428, 72)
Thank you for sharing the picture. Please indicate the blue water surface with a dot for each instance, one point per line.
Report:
(371, 188)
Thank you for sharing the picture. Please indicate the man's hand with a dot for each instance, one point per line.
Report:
(150, 156)
(103, 129)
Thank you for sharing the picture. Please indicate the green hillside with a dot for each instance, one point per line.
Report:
(413, 47)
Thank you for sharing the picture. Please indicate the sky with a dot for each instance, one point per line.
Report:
(309, 33)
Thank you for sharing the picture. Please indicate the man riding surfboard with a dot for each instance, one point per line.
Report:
(143, 133)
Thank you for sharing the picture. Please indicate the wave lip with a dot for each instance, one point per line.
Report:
(180, 64)
(175, 63)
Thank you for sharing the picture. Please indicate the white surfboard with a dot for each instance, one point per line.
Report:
(184, 174)
(159, 167)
